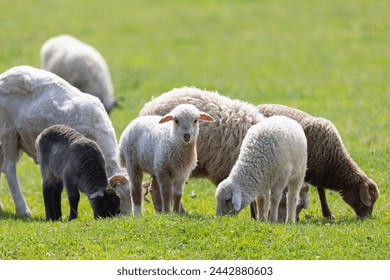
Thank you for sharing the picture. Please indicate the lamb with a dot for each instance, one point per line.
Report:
(272, 157)
(68, 158)
(31, 100)
(329, 165)
(164, 150)
(219, 143)
(81, 65)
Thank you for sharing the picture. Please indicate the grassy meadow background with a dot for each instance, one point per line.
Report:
(328, 58)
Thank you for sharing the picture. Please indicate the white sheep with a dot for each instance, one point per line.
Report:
(33, 99)
(273, 156)
(219, 143)
(81, 65)
(167, 151)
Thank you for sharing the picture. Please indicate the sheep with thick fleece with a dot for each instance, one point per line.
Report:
(165, 150)
(33, 99)
(329, 165)
(81, 65)
(219, 142)
(68, 158)
(272, 157)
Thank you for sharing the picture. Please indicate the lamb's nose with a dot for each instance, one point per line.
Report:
(187, 137)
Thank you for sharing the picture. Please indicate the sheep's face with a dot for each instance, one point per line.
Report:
(228, 199)
(107, 204)
(186, 119)
(362, 198)
(122, 186)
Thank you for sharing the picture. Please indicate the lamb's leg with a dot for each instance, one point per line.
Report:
(292, 200)
(74, 198)
(10, 158)
(276, 195)
(166, 191)
(136, 191)
(177, 194)
(253, 208)
(324, 204)
(1, 170)
(262, 202)
(156, 195)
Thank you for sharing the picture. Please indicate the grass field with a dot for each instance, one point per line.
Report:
(328, 58)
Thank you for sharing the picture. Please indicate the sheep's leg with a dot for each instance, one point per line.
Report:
(177, 194)
(156, 195)
(10, 158)
(136, 192)
(262, 203)
(1, 170)
(324, 204)
(292, 200)
(276, 195)
(52, 199)
(166, 191)
(73, 197)
(253, 208)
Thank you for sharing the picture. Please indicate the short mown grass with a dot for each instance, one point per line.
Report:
(329, 58)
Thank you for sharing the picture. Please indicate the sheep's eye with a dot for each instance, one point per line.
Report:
(195, 121)
(176, 121)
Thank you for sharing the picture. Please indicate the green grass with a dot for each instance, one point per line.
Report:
(329, 58)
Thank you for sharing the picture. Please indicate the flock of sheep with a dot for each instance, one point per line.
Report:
(259, 156)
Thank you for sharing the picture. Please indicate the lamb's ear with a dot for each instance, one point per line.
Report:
(236, 200)
(206, 117)
(166, 118)
(365, 196)
(99, 193)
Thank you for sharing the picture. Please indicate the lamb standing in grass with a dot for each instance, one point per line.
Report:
(68, 158)
(272, 156)
(33, 99)
(167, 151)
(81, 65)
(329, 165)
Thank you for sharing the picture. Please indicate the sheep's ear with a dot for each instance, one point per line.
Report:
(365, 195)
(99, 193)
(166, 118)
(206, 117)
(236, 200)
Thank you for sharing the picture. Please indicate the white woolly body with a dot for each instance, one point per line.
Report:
(273, 155)
(33, 99)
(81, 65)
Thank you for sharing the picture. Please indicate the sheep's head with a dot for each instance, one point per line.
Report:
(362, 198)
(303, 202)
(105, 203)
(186, 119)
(122, 186)
(229, 198)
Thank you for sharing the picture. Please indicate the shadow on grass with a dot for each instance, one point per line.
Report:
(5, 215)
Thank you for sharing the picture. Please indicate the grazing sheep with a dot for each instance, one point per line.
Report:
(219, 142)
(272, 157)
(68, 158)
(33, 99)
(329, 165)
(164, 150)
(81, 65)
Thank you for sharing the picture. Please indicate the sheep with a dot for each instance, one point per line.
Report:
(81, 65)
(68, 158)
(33, 99)
(164, 150)
(272, 157)
(218, 144)
(329, 165)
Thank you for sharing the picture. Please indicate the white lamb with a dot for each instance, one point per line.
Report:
(273, 156)
(33, 99)
(164, 150)
(81, 65)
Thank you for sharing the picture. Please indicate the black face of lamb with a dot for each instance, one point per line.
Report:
(107, 206)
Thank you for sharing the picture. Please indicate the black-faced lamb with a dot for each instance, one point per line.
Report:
(272, 157)
(165, 150)
(329, 165)
(69, 159)
(219, 142)
(31, 100)
(81, 65)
